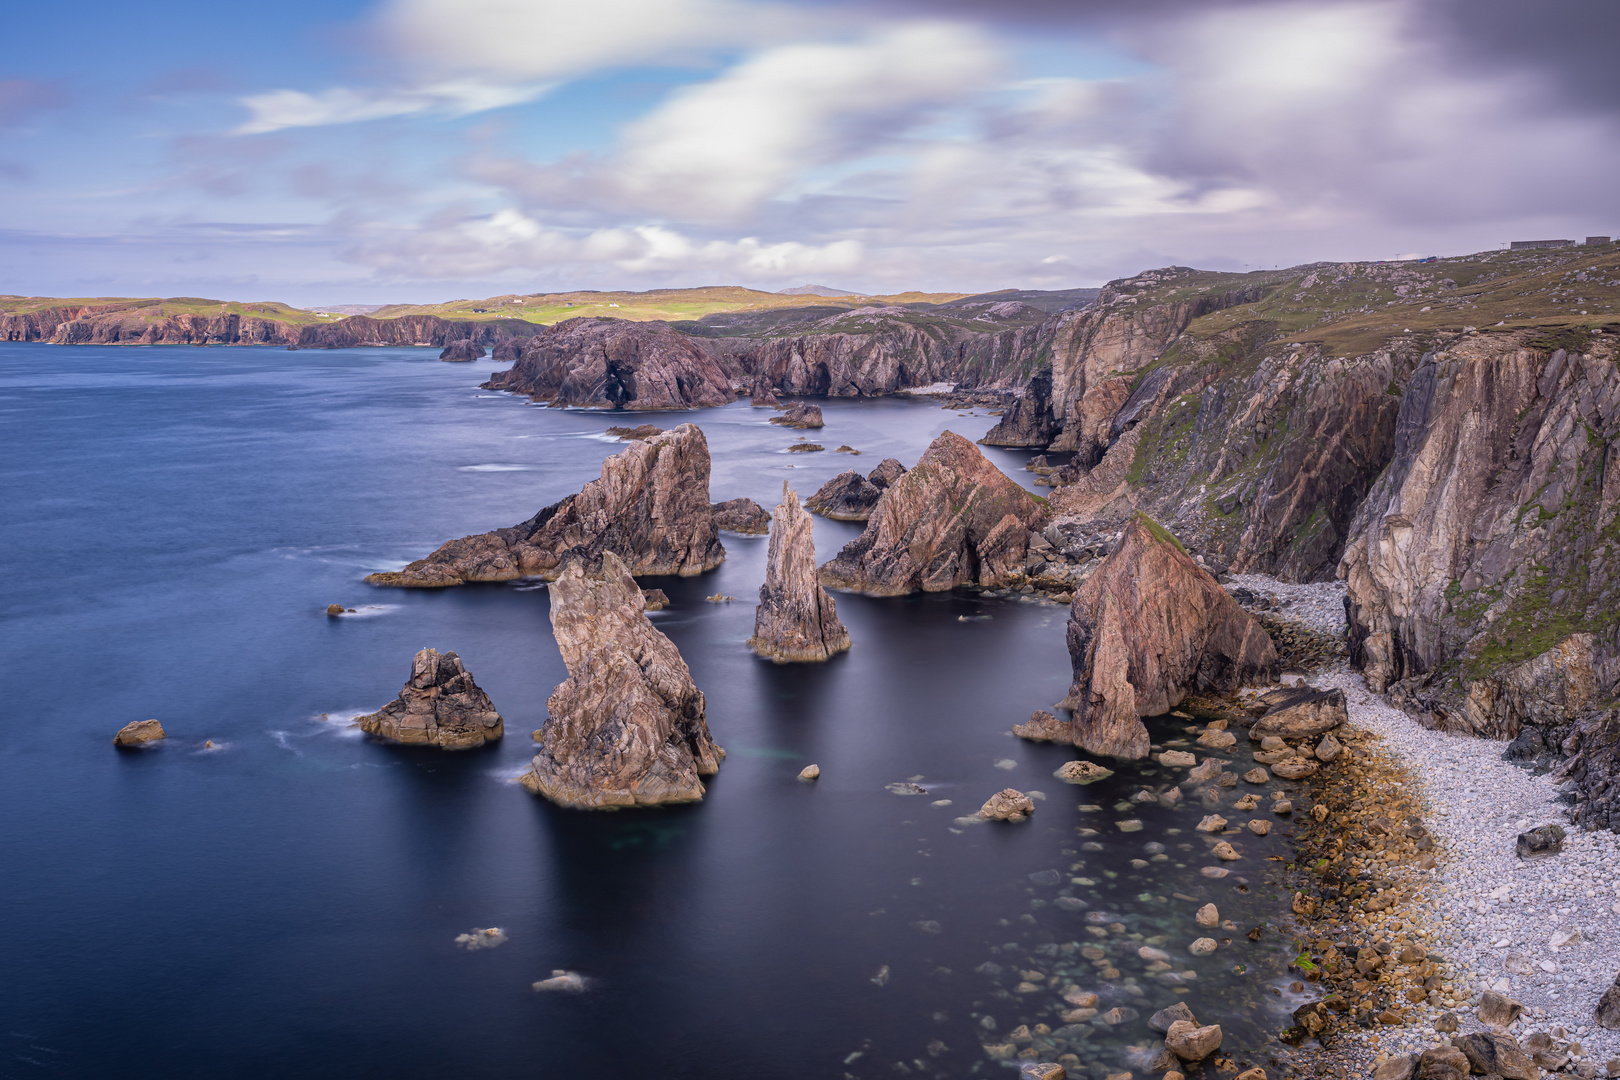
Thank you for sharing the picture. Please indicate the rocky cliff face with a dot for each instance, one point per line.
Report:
(1482, 565)
(1148, 627)
(439, 706)
(953, 519)
(796, 619)
(1030, 421)
(650, 506)
(627, 727)
(461, 352)
(614, 364)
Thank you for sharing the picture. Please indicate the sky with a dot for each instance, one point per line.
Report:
(420, 150)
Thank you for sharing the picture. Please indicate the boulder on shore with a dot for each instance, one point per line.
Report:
(954, 519)
(627, 726)
(650, 507)
(440, 706)
(137, 732)
(1300, 713)
(801, 415)
(742, 516)
(1148, 627)
(462, 351)
(796, 619)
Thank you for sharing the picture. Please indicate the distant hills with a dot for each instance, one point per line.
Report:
(817, 290)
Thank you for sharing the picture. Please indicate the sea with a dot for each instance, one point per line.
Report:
(270, 893)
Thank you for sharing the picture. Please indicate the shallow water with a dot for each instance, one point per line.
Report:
(288, 902)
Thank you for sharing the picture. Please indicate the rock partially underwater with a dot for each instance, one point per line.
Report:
(627, 727)
(440, 706)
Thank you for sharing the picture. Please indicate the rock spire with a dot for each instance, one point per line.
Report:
(796, 619)
(440, 706)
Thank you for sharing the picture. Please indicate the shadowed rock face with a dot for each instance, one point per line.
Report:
(742, 516)
(650, 506)
(1029, 422)
(462, 351)
(614, 364)
(627, 727)
(440, 706)
(851, 497)
(954, 519)
(1147, 628)
(796, 619)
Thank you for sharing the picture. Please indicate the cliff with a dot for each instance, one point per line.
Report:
(614, 364)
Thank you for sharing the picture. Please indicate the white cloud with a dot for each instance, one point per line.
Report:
(280, 109)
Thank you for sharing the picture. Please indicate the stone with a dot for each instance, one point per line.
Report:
(1256, 1073)
(635, 434)
(1295, 769)
(1044, 727)
(1212, 823)
(1272, 744)
(1608, 1007)
(334, 610)
(1208, 916)
(616, 364)
(806, 448)
(1080, 999)
(1161, 1020)
(796, 620)
(1301, 713)
(1146, 628)
(627, 727)
(954, 519)
(742, 516)
(462, 351)
(655, 599)
(650, 507)
(1259, 827)
(1189, 1042)
(1082, 772)
(137, 732)
(1496, 1054)
(810, 772)
(1328, 749)
(1446, 1021)
(1399, 1067)
(1225, 852)
(1442, 1063)
(1178, 759)
(1007, 805)
(1257, 775)
(1540, 843)
(1282, 807)
(1562, 939)
(1217, 740)
(1202, 946)
(1043, 1070)
(440, 705)
(568, 982)
(1497, 1010)
(1209, 770)
(802, 415)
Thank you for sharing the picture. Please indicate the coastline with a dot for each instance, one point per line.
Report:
(1485, 919)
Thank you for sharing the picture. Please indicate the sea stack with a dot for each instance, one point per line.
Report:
(627, 727)
(796, 619)
(1148, 627)
(650, 507)
(954, 519)
(440, 706)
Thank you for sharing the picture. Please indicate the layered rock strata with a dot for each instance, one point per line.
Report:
(627, 727)
(796, 619)
(1030, 421)
(1148, 627)
(614, 364)
(439, 706)
(849, 496)
(953, 519)
(650, 506)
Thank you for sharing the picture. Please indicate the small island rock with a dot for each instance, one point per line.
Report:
(627, 727)
(440, 706)
(137, 732)
(801, 416)
(1007, 805)
(742, 516)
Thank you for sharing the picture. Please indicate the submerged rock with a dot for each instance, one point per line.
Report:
(1044, 727)
(139, 731)
(650, 507)
(627, 727)
(800, 416)
(796, 619)
(1007, 805)
(954, 519)
(1147, 628)
(742, 516)
(439, 706)
(462, 351)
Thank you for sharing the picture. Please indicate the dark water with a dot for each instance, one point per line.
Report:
(175, 522)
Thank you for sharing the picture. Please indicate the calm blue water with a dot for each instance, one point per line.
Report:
(176, 521)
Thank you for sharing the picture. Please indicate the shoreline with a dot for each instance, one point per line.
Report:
(1488, 918)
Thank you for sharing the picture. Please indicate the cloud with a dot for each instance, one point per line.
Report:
(281, 109)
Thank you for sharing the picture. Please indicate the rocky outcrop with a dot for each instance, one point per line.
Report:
(614, 364)
(1030, 421)
(954, 519)
(650, 506)
(849, 496)
(763, 397)
(796, 619)
(742, 516)
(137, 732)
(439, 706)
(1148, 627)
(801, 415)
(462, 351)
(627, 727)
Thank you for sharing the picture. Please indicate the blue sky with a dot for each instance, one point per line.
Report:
(414, 150)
